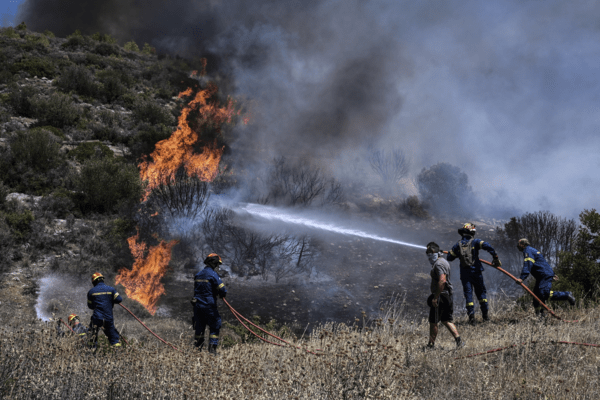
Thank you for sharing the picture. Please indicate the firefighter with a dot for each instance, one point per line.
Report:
(535, 264)
(77, 326)
(471, 269)
(101, 299)
(440, 302)
(207, 286)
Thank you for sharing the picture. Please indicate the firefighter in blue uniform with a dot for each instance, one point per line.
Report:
(535, 264)
(207, 286)
(101, 298)
(467, 250)
(79, 329)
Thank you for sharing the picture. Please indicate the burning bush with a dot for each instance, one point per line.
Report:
(182, 196)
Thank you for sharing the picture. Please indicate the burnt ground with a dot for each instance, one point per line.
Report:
(353, 276)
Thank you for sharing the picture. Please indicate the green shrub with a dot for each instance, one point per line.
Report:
(107, 49)
(147, 49)
(48, 33)
(55, 131)
(131, 46)
(78, 79)
(20, 99)
(20, 223)
(413, 206)
(74, 42)
(38, 39)
(21, 26)
(105, 184)
(38, 149)
(88, 150)
(579, 271)
(6, 76)
(151, 112)
(446, 188)
(146, 138)
(10, 33)
(56, 110)
(34, 66)
(105, 38)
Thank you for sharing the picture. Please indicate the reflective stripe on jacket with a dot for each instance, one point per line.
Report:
(101, 299)
(535, 263)
(207, 285)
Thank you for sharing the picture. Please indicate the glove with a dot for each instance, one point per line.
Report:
(222, 295)
(193, 301)
(496, 262)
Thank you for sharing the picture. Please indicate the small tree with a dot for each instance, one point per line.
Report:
(580, 270)
(446, 188)
(390, 166)
(131, 46)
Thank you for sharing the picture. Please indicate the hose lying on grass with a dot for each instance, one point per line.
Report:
(520, 344)
(158, 337)
(237, 315)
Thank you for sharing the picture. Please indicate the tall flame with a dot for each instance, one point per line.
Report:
(178, 150)
(142, 282)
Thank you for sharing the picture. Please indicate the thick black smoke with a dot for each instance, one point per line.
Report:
(505, 90)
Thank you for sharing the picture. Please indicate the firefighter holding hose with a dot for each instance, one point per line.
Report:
(440, 300)
(101, 298)
(535, 264)
(471, 276)
(207, 286)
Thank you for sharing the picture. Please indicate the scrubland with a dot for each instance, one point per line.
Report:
(376, 358)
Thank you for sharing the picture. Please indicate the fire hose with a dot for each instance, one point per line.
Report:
(67, 325)
(237, 315)
(158, 337)
(515, 345)
(524, 287)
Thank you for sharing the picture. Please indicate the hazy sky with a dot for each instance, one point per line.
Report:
(506, 90)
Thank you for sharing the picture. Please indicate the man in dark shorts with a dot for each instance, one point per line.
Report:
(440, 301)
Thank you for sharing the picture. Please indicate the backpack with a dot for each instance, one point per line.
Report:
(466, 253)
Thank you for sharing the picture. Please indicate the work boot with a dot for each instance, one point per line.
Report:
(199, 344)
(485, 316)
(472, 319)
(212, 349)
(430, 346)
(459, 342)
(571, 298)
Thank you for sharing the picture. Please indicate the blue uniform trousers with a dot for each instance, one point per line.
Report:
(109, 330)
(543, 290)
(473, 280)
(212, 318)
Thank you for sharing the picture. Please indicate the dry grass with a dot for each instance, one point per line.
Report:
(383, 359)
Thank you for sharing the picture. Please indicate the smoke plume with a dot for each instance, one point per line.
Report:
(505, 90)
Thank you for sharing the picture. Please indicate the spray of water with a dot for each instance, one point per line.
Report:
(272, 213)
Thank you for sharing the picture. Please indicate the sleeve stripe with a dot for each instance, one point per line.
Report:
(221, 285)
(530, 259)
(116, 295)
(451, 252)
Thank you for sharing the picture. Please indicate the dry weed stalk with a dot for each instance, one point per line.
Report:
(382, 359)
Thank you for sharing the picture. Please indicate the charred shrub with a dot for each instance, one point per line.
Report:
(183, 196)
(414, 207)
(447, 189)
(104, 185)
(391, 166)
(299, 184)
(78, 79)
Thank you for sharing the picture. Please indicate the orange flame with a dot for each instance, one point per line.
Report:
(142, 282)
(178, 150)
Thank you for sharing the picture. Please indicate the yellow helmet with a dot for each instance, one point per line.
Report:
(72, 317)
(467, 229)
(96, 276)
